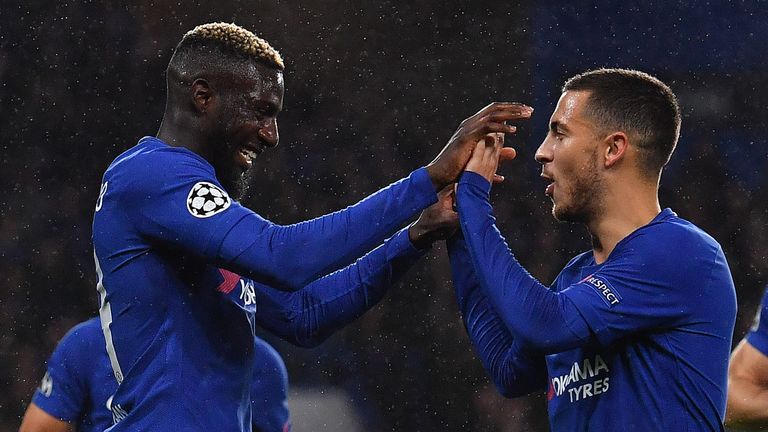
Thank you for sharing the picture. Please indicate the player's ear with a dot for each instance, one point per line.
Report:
(202, 95)
(616, 145)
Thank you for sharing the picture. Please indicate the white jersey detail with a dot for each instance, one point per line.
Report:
(46, 385)
(105, 313)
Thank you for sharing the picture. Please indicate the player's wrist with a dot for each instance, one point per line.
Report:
(423, 237)
(418, 235)
(474, 179)
(438, 176)
(488, 176)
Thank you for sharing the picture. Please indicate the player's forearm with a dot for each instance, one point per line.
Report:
(513, 372)
(309, 316)
(294, 255)
(530, 310)
(747, 389)
(747, 404)
(37, 420)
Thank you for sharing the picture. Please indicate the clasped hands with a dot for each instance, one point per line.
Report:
(476, 146)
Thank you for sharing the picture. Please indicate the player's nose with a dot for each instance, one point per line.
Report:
(544, 152)
(269, 133)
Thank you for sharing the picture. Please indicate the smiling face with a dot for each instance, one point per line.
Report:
(245, 124)
(570, 159)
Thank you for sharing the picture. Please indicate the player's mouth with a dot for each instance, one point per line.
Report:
(550, 187)
(245, 156)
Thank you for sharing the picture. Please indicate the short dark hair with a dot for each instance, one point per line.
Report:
(636, 103)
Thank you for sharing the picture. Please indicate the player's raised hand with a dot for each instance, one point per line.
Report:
(447, 166)
(438, 222)
(505, 153)
(486, 156)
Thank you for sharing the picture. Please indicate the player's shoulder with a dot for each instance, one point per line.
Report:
(670, 235)
(83, 335)
(152, 167)
(573, 267)
(87, 329)
(78, 345)
(677, 228)
(581, 260)
(269, 369)
(674, 252)
(153, 157)
(267, 355)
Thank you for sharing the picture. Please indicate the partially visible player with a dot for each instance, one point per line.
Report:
(633, 335)
(269, 391)
(169, 236)
(748, 376)
(76, 391)
(78, 384)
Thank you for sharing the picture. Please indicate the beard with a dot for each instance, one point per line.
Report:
(585, 198)
(237, 185)
(233, 179)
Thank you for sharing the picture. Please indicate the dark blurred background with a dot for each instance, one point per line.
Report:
(373, 91)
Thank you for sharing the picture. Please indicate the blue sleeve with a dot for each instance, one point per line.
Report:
(639, 289)
(63, 392)
(645, 289)
(269, 391)
(310, 315)
(758, 335)
(546, 320)
(178, 201)
(514, 369)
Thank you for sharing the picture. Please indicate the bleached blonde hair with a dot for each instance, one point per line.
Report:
(235, 38)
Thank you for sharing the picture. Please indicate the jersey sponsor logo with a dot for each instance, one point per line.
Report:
(609, 295)
(46, 385)
(247, 292)
(206, 199)
(586, 379)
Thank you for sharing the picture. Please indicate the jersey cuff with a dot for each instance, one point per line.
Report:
(759, 341)
(423, 187)
(401, 242)
(473, 179)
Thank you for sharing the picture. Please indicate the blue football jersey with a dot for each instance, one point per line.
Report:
(179, 333)
(269, 390)
(639, 342)
(79, 382)
(758, 334)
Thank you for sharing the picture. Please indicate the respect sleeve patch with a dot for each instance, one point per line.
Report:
(610, 296)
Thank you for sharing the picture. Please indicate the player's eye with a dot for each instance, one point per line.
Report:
(262, 111)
